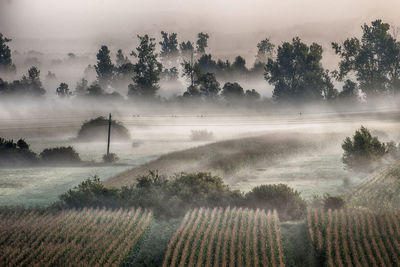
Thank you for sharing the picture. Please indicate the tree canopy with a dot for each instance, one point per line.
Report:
(375, 59)
(147, 70)
(297, 72)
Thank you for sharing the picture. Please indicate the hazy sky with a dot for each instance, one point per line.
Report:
(235, 26)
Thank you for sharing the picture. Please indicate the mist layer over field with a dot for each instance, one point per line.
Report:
(312, 166)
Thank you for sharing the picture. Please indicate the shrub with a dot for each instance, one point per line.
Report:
(97, 129)
(173, 197)
(284, 199)
(363, 150)
(110, 158)
(333, 202)
(16, 154)
(60, 155)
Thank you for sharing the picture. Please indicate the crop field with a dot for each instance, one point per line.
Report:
(380, 190)
(355, 237)
(226, 237)
(89, 237)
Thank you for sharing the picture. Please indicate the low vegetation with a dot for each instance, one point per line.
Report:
(14, 154)
(354, 237)
(60, 155)
(97, 129)
(88, 237)
(221, 237)
(173, 197)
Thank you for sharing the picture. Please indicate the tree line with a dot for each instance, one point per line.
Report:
(368, 66)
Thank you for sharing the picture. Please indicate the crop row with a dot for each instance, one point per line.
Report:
(355, 237)
(226, 237)
(88, 237)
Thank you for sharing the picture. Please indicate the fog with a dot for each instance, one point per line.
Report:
(57, 27)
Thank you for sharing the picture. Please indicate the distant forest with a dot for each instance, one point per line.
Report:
(369, 67)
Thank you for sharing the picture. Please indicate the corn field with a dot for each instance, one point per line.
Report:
(226, 237)
(88, 237)
(355, 237)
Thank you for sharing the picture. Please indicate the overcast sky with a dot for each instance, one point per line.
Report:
(235, 26)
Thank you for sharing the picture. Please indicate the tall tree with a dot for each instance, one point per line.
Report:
(5, 55)
(104, 67)
(202, 42)
(187, 50)
(82, 87)
(32, 83)
(63, 90)
(169, 49)
(297, 72)
(232, 91)
(375, 59)
(265, 50)
(121, 59)
(208, 85)
(147, 70)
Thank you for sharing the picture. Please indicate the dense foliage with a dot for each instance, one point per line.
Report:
(97, 129)
(363, 151)
(14, 154)
(173, 197)
(60, 155)
(18, 153)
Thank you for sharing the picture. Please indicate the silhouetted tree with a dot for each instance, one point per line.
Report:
(350, 91)
(206, 64)
(95, 90)
(265, 51)
(63, 90)
(232, 91)
(297, 73)
(32, 83)
(375, 59)
(121, 59)
(239, 66)
(147, 70)
(6, 64)
(252, 95)
(187, 50)
(208, 85)
(202, 42)
(363, 150)
(21, 144)
(104, 67)
(169, 49)
(82, 87)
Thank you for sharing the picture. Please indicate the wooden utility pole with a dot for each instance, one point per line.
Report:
(109, 133)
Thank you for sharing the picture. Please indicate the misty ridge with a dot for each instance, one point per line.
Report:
(180, 73)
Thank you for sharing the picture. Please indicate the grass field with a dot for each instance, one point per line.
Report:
(90, 237)
(355, 237)
(222, 237)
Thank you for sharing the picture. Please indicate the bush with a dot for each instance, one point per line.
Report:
(60, 155)
(363, 150)
(333, 202)
(201, 135)
(173, 197)
(285, 200)
(97, 130)
(110, 158)
(16, 154)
